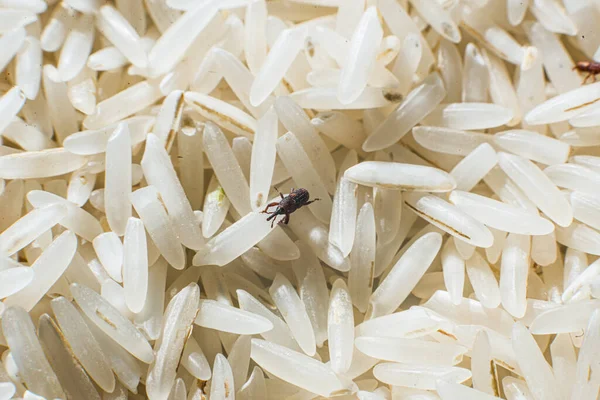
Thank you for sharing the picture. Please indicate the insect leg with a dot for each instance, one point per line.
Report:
(312, 201)
(280, 194)
(266, 210)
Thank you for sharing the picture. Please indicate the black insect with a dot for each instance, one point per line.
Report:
(591, 67)
(288, 204)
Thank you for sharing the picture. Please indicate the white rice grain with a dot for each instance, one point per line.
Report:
(135, 265)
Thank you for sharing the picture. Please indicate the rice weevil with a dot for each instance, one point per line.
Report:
(288, 204)
(591, 67)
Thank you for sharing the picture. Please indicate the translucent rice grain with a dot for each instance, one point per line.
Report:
(438, 18)
(226, 168)
(362, 259)
(77, 220)
(419, 376)
(263, 159)
(340, 327)
(553, 17)
(388, 213)
(255, 387)
(558, 64)
(278, 61)
(222, 382)
(312, 232)
(449, 390)
(483, 281)
(82, 183)
(585, 277)
(222, 113)
(219, 316)
(194, 360)
(109, 249)
(135, 265)
(29, 67)
(504, 217)
(450, 219)
(469, 116)
(123, 104)
(177, 324)
(11, 43)
(28, 355)
(298, 164)
(482, 160)
(564, 362)
(295, 120)
(501, 88)
(516, 11)
(475, 76)
(29, 227)
(579, 237)
(585, 208)
(245, 233)
(255, 44)
(513, 274)
(113, 25)
(450, 65)
(453, 266)
(585, 385)
(341, 128)
(408, 60)
(146, 202)
(573, 176)
(400, 176)
(312, 288)
(62, 113)
(159, 172)
(77, 48)
(118, 179)
(537, 186)
(280, 334)
(323, 98)
(106, 59)
(404, 275)
(348, 16)
(90, 142)
(294, 312)
(565, 106)
(10, 105)
(449, 141)
(216, 206)
(111, 322)
(150, 318)
(239, 360)
(530, 144)
(13, 18)
(411, 351)
(169, 118)
(535, 369)
(515, 389)
(361, 56)
(483, 366)
(189, 146)
(82, 343)
(171, 47)
(296, 368)
(14, 280)
(420, 102)
(343, 216)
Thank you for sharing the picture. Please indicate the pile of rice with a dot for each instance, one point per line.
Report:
(453, 253)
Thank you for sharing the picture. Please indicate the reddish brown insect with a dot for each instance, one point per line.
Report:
(288, 204)
(591, 67)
